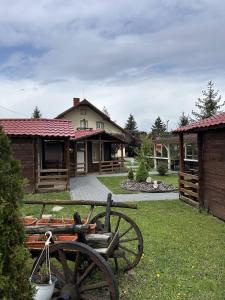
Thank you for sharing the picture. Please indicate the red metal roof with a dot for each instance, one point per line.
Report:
(37, 127)
(203, 124)
(79, 134)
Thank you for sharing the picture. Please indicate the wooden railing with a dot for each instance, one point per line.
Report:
(188, 188)
(52, 180)
(111, 166)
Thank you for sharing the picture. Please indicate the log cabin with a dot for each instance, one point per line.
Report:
(50, 151)
(205, 186)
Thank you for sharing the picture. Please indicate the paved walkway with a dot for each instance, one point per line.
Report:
(90, 188)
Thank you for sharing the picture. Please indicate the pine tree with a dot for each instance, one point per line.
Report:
(158, 128)
(131, 125)
(14, 272)
(209, 105)
(105, 111)
(132, 136)
(36, 114)
(183, 120)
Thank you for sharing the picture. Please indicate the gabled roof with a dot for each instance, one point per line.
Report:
(82, 134)
(217, 121)
(85, 102)
(37, 127)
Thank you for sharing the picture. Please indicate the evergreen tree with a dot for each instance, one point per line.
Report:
(36, 114)
(209, 105)
(131, 125)
(14, 271)
(105, 111)
(183, 120)
(158, 128)
(131, 136)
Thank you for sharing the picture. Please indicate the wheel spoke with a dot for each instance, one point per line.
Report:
(128, 250)
(93, 286)
(127, 261)
(57, 273)
(86, 273)
(66, 269)
(125, 232)
(129, 240)
(118, 223)
(76, 267)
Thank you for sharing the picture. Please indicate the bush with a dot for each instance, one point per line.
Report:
(130, 174)
(142, 173)
(14, 270)
(162, 169)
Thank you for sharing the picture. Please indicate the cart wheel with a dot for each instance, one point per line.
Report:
(82, 274)
(130, 246)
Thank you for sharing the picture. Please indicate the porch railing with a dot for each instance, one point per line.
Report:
(52, 180)
(111, 166)
(189, 187)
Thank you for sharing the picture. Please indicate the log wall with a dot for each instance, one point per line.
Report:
(23, 150)
(213, 171)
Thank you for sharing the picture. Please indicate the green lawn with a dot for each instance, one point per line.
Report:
(113, 182)
(184, 253)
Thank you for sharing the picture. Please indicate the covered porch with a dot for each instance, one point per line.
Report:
(96, 151)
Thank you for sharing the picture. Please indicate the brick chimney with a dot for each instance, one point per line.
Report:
(76, 101)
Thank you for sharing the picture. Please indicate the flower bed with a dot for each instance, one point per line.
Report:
(147, 187)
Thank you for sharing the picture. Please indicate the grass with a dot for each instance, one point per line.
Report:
(113, 182)
(184, 255)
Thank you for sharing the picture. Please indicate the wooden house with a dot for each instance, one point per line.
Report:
(98, 142)
(206, 186)
(42, 147)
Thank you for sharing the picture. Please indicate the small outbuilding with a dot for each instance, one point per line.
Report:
(205, 186)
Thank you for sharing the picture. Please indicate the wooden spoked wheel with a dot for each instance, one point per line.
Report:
(129, 249)
(82, 274)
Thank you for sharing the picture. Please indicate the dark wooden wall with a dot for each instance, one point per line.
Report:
(213, 154)
(23, 150)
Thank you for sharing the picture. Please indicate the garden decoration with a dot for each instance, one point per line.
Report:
(81, 250)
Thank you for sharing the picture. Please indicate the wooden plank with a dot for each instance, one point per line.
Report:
(80, 202)
(52, 176)
(189, 201)
(189, 192)
(45, 183)
(190, 176)
(53, 170)
(190, 184)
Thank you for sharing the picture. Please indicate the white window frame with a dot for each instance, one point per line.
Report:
(86, 124)
(101, 125)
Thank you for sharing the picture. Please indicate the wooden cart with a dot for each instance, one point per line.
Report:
(82, 251)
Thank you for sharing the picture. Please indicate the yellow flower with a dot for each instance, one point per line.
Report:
(158, 275)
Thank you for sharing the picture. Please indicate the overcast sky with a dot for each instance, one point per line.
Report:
(143, 57)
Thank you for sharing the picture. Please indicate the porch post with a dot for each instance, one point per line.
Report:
(154, 159)
(169, 157)
(100, 153)
(202, 202)
(86, 158)
(181, 162)
(75, 159)
(67, 159)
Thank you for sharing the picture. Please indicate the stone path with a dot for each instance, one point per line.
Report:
(90, 188)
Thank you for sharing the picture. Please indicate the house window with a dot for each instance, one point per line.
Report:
(83, 124)
(95, 152)
(83, 111)
(100, 125)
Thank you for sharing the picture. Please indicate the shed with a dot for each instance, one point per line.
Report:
(42, 147)
(205, 187)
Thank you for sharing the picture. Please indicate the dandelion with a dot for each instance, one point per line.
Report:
(157, 275)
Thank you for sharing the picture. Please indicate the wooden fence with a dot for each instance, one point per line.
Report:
(188, 187)
(52, 180)
(111, 166)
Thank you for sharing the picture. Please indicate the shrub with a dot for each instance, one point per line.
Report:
(130, 174)
(142, 173)
(14, 270)
(162, 169)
